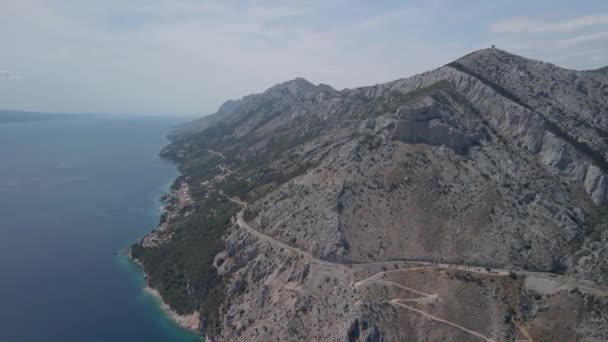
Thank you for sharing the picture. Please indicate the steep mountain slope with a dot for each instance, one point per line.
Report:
(468, 202)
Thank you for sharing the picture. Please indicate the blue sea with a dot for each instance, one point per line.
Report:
(74, 194)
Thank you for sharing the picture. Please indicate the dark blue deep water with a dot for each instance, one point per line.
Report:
(72, 193)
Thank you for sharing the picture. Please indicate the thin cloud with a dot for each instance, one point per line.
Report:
(413, 14)
(377, 21)
(583, 39)
(192, 55)
(521, 25)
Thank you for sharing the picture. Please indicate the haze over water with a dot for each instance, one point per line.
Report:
(72, 193)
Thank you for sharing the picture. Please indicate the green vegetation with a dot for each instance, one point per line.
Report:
(182, 268)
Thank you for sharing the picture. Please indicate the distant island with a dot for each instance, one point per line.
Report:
(8, 116)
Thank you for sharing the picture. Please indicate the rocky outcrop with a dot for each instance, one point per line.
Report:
(522, 121)
(516, 121)
(427, 125)
(596, 185)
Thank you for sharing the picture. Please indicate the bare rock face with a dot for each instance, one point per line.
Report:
(427, 124)
(467, 202)
(562, 157)
(596, 185)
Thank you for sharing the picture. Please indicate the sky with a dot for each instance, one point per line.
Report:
(189, 56)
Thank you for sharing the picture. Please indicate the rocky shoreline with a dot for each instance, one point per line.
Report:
(190, 322)
(175, 204)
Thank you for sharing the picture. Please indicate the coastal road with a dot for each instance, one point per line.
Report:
(425, 298)
(216, 153)
(564, 282)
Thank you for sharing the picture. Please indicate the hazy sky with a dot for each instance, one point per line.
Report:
(189, 56)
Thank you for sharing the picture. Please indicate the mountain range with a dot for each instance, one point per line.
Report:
(465, 203)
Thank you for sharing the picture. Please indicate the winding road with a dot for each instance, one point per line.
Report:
(426, 298)
(216, 153)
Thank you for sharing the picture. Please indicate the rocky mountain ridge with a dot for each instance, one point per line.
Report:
(493, 160)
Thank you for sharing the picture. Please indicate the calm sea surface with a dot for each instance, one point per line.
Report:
(72, 193)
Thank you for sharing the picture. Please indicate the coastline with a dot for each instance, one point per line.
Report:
(174, 197)
(189, 322)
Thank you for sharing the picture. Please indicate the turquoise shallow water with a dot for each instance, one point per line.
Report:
(72, 193)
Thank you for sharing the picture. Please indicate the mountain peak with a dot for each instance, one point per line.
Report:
(297, 82)
(296, 87)
(488, 54)
(300, 80)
